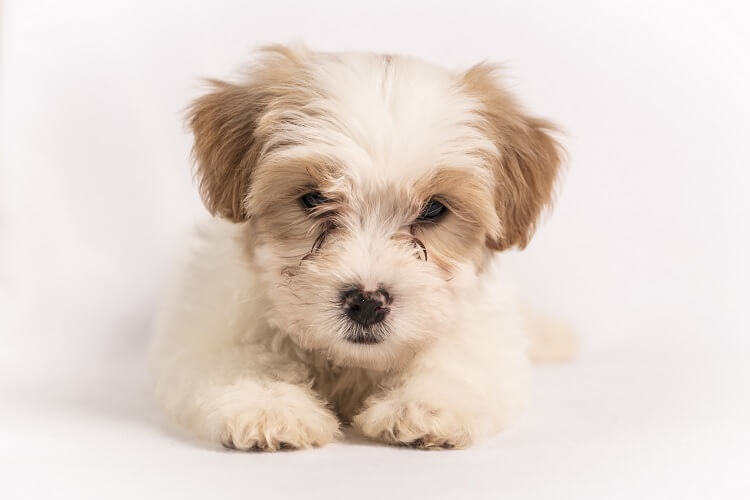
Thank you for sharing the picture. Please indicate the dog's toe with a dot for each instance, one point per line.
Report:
(429, 442)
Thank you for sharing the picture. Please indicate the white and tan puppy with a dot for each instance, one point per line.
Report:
(351, 274)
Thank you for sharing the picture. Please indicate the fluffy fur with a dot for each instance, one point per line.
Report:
(253, 347)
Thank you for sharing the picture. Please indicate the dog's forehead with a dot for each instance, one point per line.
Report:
(390, 119)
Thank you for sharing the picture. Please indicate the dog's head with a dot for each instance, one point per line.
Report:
(374, 187)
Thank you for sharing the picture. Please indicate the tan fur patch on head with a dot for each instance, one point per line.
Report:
(527, 163)
(232, 123)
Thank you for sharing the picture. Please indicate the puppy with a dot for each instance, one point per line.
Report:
(350, 276)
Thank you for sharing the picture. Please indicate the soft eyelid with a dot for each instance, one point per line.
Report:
(446, 201)
(304, 189)
(327, 209)
(457, 209)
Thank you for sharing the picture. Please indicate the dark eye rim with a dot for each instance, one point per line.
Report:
(432, 211)
(312, 199)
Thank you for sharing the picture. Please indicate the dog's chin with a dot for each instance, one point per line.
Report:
(377, 347)
(372, 356)
(365, 335)
(373, 348)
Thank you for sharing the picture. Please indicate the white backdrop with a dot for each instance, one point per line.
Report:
(646, 253)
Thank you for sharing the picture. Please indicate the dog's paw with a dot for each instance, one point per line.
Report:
(414, 424)
(278, 429)
(286, 421)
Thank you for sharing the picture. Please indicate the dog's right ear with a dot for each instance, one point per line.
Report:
(226, 124)
(223, 123)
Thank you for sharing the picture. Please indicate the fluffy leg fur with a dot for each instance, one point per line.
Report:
(222, 397)
(436, 408)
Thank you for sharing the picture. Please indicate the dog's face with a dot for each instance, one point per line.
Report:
(373, 187)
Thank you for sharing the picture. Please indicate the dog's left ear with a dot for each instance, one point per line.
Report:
(527, 162)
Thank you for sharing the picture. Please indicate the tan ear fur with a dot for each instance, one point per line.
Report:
(528, 160)
(226, 126)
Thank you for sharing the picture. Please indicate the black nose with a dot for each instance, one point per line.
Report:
(365, 308)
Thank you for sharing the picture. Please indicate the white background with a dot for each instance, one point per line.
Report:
(646, 252)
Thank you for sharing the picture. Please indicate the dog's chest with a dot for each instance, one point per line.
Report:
(345, 388)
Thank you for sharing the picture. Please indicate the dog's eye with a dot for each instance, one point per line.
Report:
(433, 210)
(312, 200)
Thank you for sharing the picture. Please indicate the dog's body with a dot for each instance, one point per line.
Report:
(358, 282)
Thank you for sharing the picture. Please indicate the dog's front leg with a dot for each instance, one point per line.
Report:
(447, 398)
(245, 398)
